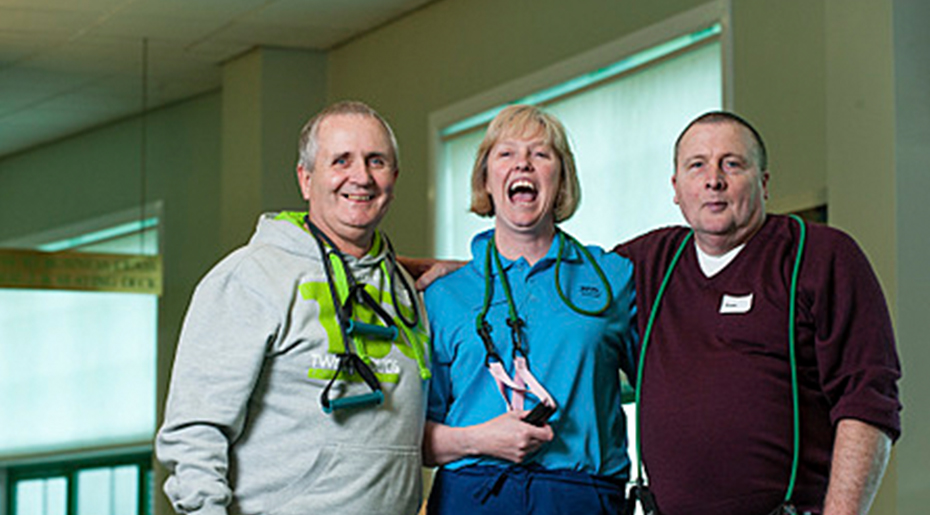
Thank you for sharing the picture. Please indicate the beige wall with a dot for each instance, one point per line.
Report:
(816, 76)
(860, 146)
(912, 184)
(268, 94)
(778, 84)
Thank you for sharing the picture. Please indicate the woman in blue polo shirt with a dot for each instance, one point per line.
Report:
(528, 337)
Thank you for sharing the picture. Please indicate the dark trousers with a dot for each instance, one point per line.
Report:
(523, 490)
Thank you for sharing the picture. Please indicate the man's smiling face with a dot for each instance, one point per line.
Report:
(352, 181)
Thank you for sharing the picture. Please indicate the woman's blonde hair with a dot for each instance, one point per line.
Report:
(526, 120)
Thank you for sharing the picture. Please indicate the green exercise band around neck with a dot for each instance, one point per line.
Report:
(792, 358)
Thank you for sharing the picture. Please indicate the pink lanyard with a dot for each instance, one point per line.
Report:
(523, 381)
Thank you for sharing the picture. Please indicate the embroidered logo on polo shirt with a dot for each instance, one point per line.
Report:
(732, 304)
(590, 291)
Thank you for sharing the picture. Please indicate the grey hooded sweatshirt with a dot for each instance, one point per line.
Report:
(244, 431)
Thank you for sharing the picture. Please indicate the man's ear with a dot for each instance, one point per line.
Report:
(765, 185)
(675, 188)
(303, 180)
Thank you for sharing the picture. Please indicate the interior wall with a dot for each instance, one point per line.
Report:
(87, 176)
(779, 86)
(912, 183)
(268, 94)
(870, 62)
(860, 123)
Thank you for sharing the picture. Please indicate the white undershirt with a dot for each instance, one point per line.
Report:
(711, 265)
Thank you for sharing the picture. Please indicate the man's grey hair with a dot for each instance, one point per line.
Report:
(308, 144)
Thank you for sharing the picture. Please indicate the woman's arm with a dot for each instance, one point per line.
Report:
(506, 437)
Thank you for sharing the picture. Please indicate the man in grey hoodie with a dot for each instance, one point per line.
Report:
(299, 381)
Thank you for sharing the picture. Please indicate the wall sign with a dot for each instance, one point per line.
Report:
(126, 273)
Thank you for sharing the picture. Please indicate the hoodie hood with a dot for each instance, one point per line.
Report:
(286, 230)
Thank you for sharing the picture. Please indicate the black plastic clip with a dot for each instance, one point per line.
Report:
(640, 492)
(484, 331)
(516, 334)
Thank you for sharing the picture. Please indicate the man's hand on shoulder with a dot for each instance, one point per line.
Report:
(427, 270)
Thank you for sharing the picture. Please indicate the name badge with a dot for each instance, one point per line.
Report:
(732, 304)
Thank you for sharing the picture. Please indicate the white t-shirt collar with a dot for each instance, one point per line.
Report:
(711, 265)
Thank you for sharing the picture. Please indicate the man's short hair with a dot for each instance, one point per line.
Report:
(308, 145)
(728, 117)
(527, 120)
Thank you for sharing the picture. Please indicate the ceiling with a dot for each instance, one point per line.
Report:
(69, 65)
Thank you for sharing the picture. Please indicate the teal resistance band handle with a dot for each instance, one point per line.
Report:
(356, 401)
(354, 327)
(348, 362)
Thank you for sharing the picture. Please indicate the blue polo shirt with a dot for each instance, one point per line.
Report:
(576, 357)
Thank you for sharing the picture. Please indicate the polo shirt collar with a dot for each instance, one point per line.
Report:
(479, 249)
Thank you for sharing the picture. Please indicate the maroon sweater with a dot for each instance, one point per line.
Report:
(716, 399)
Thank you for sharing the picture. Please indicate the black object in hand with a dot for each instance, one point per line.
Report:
(539, 415)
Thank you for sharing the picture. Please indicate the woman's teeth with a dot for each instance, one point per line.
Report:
(522, 190)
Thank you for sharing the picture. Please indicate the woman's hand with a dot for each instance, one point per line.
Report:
(506, 437)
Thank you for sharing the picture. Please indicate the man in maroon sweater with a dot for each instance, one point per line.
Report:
(716, 394)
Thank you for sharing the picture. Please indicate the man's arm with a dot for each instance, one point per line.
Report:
(219, 357)
(860, 454)
(505, 436)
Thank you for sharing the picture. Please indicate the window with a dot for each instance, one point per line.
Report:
(121, 486)
(77, 370)
(622, 120)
